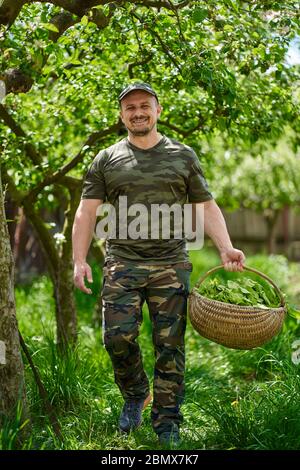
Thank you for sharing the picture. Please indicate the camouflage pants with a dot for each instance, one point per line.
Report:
(165, 289)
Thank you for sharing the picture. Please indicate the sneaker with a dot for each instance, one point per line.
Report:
(131, 415)
(169, 438)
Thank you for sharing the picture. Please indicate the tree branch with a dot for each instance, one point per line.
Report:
(68, 224)
(183, 132)
(80, 6)
(163, 45)
(178, 21)
(10, 9)
(16, 194)
(62, 21)
(16, 81)
(136, 64)
(18, 131)
(37, 222)
(30, 150)
(58, 175)
(48, 244)
(163, 4)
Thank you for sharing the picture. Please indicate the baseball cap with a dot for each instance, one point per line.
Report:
(137, 86)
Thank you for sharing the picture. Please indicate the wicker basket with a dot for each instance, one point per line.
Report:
(235, 326)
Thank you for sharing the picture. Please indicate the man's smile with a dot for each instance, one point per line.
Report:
(139, 121)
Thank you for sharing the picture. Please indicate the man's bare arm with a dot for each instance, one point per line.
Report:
(215, 228)
(82, 234)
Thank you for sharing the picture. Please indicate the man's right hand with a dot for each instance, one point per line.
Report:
(82, 270)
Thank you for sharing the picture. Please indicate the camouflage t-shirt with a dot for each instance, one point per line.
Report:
(167, 173)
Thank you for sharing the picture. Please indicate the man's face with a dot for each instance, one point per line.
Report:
(139, 112)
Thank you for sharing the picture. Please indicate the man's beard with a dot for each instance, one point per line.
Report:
(140, 132)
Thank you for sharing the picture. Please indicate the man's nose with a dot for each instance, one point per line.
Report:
(138, 115)
(139, 111)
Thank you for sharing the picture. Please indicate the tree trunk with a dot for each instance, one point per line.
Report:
(66, 317)
(12, 384)
(9, 11)
(285, 229)
(59, 261)
(271, 220)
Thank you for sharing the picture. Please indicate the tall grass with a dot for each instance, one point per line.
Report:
(263, 415)
(234, 399)
(14, 431)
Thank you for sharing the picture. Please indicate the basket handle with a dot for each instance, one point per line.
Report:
(282, 301)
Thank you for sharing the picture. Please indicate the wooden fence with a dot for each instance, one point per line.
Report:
(248, 228)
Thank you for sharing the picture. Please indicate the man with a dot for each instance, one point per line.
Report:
(149, 169)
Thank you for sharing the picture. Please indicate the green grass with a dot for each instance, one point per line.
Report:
(234, 399)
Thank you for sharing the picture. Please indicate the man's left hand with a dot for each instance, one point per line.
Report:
(233, 259)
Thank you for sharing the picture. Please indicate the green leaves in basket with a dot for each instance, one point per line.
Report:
(243, 291)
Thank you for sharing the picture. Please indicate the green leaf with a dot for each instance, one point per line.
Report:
(293, 312)
(199, 14)
(228, 28)
(50, 27)
(233, 5)
(235, 292)
(106, 10)
(75, 62)
(84, 20)
(47, 69)
(38, 59)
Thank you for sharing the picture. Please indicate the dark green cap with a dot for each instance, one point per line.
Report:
(137, 86)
